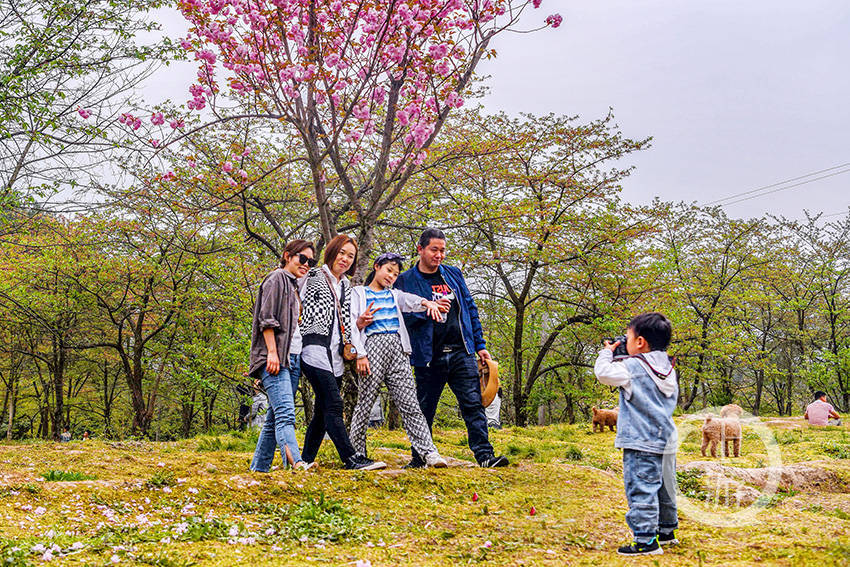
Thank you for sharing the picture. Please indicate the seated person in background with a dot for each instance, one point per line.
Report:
(65, 436)
(819, 411)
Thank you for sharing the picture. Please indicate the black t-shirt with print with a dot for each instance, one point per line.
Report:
(445, 334)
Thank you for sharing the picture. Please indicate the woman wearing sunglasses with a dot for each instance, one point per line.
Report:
(323, 325)
(383, 354)
(275, 348)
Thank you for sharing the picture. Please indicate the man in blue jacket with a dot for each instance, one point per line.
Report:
(444, 353)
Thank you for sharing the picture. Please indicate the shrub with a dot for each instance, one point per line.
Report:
(162, 477)
(836, 450)
(323, 518)
(690, 484)
(522, 451)
(55, 475)
(573, 453)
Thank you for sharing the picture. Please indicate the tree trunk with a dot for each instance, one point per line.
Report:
(306, 401)
(759, 388)
(107, 399)
(209, 408)
(569, 409)
(13, 403)
(58, 370)
(187, 415)
(393, 420)
(520, 398)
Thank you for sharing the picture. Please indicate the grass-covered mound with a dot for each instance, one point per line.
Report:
(561, 502)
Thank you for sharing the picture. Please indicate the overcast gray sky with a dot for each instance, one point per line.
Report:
(736, 94)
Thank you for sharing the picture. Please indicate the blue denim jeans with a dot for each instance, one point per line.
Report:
(650, 480)
(279, 427)
(460, 371)
(294, 372)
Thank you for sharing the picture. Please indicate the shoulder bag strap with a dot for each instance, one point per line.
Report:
(336, 304)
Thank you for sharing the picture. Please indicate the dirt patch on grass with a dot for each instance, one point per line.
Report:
(798, 477)
(786, 423)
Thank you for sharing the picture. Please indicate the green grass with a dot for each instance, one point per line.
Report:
(245, 443)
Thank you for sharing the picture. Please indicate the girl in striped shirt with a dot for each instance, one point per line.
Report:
(383, 354)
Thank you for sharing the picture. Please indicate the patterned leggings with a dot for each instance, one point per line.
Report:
(389, 364)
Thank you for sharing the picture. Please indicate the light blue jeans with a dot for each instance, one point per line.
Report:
(650, 481)
(279, 427)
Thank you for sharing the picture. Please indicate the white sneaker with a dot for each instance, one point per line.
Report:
(305, 466)
(434, 460)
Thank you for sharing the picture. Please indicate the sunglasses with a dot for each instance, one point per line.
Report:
(304, 259)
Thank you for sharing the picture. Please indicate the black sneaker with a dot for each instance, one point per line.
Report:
(361, 463)
(667, 539)
(651, 548)
(493, 462)
(415, 464)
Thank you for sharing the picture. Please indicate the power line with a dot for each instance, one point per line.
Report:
(786, 187)
(777, 184)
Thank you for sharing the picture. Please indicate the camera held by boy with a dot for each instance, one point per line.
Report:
(645, 430)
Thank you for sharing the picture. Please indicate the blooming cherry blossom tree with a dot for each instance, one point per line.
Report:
(364, 86)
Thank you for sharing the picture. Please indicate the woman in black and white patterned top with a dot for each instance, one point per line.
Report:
(325, 295)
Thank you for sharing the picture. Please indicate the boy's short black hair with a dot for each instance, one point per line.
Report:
(654, 327)
(428, 234)
(819, 394)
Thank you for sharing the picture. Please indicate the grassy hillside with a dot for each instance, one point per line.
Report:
(194, 502)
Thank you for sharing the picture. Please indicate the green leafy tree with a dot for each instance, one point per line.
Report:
(66, 70)
(534, 200)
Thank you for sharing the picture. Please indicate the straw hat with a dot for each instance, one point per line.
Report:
(488, 374)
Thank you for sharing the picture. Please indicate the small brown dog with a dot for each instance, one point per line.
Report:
(603, 417)
(732, 410)
(721, 430)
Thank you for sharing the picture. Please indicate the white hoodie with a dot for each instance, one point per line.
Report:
(656, 363)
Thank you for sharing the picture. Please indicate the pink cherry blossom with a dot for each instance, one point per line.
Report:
(83, 113)
(157, 119)
(177, 124)
(554, 20)
(371, 59)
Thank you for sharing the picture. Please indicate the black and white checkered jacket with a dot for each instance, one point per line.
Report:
(317, 311)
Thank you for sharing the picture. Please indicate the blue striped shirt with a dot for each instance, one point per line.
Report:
(385, 319)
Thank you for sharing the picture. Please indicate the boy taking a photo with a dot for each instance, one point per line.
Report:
(645, 430)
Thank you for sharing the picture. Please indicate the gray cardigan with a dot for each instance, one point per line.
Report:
(277, 308)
